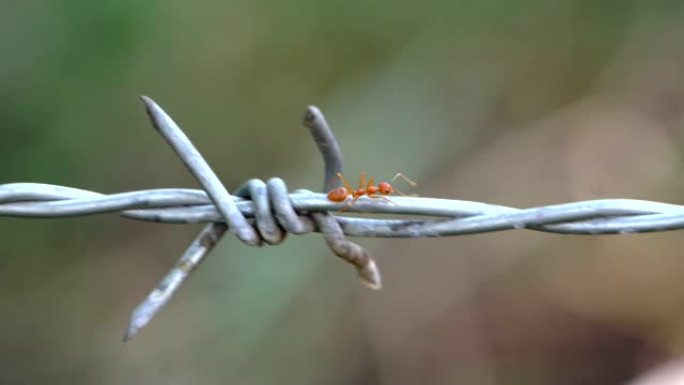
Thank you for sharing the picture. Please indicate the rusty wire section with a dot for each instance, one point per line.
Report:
(264, 212)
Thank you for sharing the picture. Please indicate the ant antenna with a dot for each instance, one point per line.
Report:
(412, 183)
(409, 181)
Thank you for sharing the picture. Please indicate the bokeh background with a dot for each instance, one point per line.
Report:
(520, 103)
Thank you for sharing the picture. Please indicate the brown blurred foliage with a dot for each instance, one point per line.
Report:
(515, 103)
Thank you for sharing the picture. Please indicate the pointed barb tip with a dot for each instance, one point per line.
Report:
(131, 331)
(370, 276)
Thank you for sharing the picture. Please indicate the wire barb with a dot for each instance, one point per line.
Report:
(332, 231)
(193, 256)
(266, 211)
(201, 170)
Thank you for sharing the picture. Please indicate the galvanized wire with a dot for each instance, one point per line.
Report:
(178, 205)
(261, 212)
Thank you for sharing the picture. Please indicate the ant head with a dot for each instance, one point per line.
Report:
(385, 188)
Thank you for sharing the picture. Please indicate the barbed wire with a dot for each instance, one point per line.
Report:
(264, 212)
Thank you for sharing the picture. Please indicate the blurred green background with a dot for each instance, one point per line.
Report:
(520, 103)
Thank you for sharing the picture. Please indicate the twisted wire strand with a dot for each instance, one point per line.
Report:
(177, 205)
(264, 212)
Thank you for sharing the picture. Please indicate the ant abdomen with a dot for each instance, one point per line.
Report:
(339, 194)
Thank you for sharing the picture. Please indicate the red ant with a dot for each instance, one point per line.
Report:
(341, 194)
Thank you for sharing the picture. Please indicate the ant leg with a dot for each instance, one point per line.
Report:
(371, 182)
(405, 195)
(345, 208)
(345, 182)
(362, 180)
(383, 198)
(348, 204)
(355, 199)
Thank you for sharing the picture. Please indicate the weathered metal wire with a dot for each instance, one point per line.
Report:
(332, 231)
(274, 193)
(201, 170)
(265, 212)
(178, 205)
